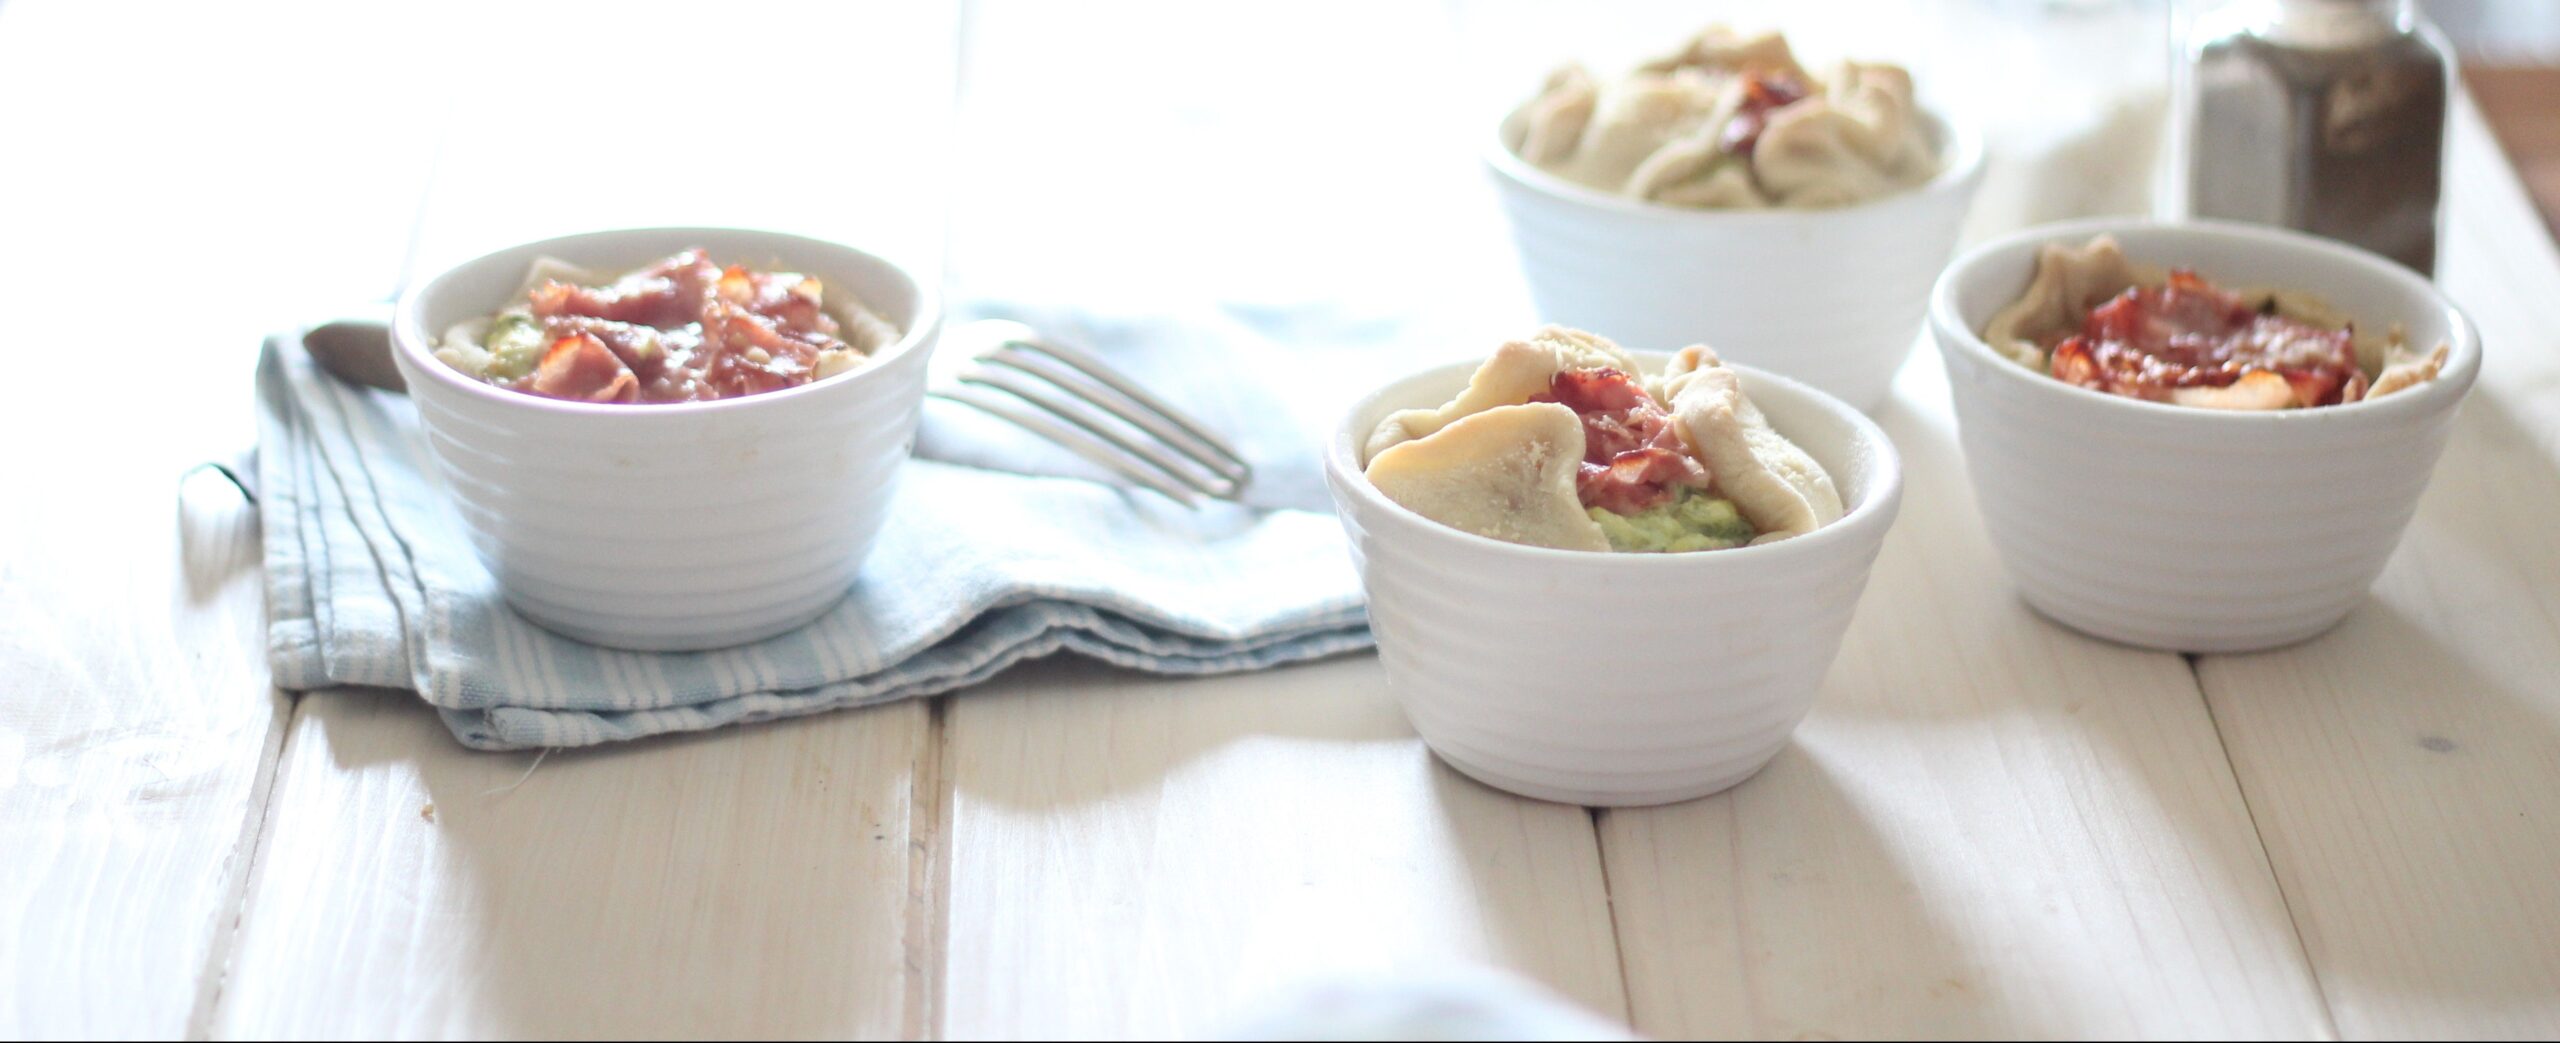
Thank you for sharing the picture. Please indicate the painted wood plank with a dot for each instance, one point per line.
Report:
(1968, 833)
(1989, 826)
(751, 882)
(1130, 856)
(2405, 768)
(157, 225)
(137, 732)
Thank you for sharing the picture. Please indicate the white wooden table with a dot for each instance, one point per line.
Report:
(1989, 826)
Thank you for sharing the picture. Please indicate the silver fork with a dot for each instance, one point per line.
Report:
(1009, 371)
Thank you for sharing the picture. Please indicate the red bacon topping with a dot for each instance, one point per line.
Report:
(1761, 95)
(683, 329)
(2150, 341)
(663, 295)
(1632, 456)
(580, 367)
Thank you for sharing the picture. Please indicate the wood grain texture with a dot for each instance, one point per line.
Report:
(1989, 826)
(152, 235)
(750, 882)
(2405, 768)
(136, 733)
(1132, 856)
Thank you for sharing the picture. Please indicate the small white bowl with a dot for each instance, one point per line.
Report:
(1831, 297)
(1613, 679)
(2189, 529)
(685, 526)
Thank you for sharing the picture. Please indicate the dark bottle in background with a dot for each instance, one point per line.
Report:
(2322, 115)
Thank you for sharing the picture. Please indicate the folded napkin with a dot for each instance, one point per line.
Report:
(371, 581)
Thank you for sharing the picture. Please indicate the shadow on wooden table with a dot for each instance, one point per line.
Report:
(1136, 854)
(2003, 824)
(1781, 909)
(2427, 861)
(1101, 732)
(2404, 760)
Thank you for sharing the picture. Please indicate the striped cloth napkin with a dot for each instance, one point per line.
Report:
(372, 582)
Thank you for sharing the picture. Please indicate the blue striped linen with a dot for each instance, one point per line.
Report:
(371, 582)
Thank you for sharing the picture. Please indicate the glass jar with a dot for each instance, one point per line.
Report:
(2326, 116)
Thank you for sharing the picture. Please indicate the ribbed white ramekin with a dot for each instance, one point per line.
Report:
(1613, 679)
(689, 526)
(1830, 297)
(2192, 529)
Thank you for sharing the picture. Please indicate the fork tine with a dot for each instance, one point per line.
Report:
(1237, 468)
(1075, 400)
(1070, 437)
(1062, 402)
(1163, 430)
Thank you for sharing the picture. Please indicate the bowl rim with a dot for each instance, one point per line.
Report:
(1873, 513)
(411, 343)
(1960, 153)
(2462, 364)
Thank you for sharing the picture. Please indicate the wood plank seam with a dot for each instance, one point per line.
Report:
(928, 921)
(1626, 1012)
(2292, 914)
(244, 859)
(213, 986)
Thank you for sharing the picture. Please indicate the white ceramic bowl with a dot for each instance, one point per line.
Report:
(2192, 529)
(1613, 679)
(1831, 297)
(686, 526)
